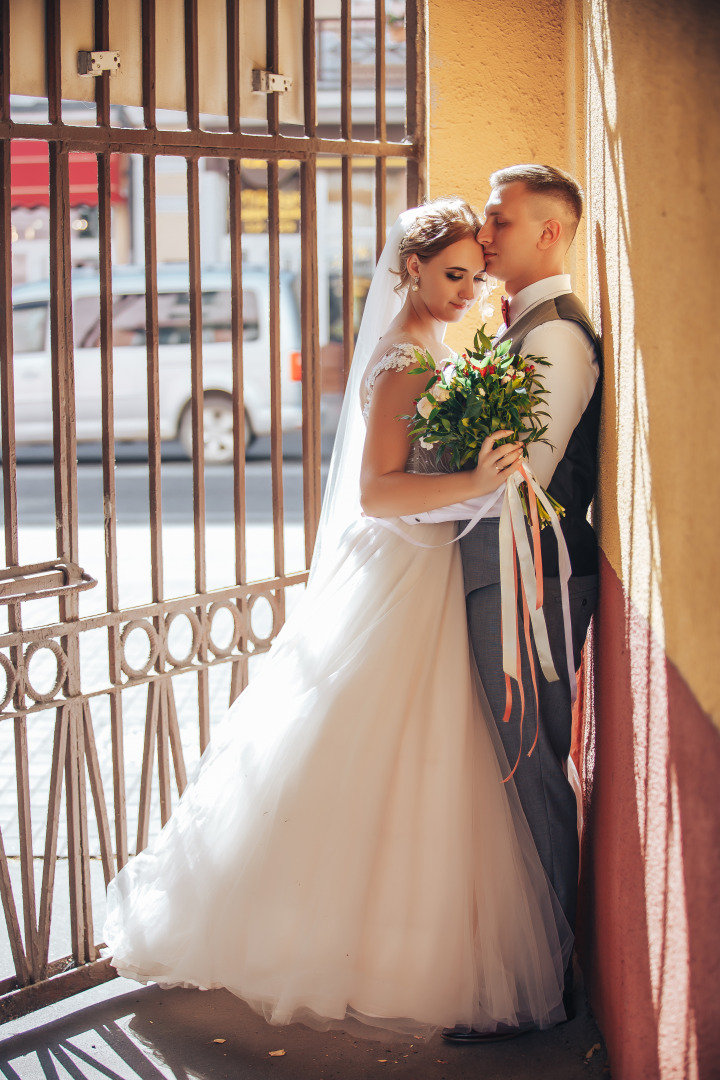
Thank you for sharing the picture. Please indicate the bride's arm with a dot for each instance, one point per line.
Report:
(386, 490)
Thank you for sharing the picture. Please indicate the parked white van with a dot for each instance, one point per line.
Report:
(32, 368)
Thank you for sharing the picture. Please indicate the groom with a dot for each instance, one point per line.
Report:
(531, 219)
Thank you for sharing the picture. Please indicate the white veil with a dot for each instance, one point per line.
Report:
(341, 502)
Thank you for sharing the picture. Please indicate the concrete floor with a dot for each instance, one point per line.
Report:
(120, 1031)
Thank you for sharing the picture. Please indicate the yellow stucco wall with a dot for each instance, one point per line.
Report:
(502, 90)
(653, 152)
(625, 96)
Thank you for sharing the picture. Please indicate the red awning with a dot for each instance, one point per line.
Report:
(30, 176)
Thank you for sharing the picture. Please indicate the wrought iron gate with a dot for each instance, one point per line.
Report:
(58, 721)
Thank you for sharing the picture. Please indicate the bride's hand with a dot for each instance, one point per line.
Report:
(496, 463)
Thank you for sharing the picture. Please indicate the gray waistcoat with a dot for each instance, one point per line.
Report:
(573, 482)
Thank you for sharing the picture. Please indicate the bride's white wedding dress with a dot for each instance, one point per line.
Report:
(347, 847)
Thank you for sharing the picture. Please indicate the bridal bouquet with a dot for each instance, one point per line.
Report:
(470, 396)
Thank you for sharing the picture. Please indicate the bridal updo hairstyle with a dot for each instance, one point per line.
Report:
(442, 222)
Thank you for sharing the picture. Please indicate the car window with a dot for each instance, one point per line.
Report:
(30, 327)
(217, 316)
(173, 318)
(86, 322)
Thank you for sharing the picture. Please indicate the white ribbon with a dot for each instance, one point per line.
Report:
(512, 523)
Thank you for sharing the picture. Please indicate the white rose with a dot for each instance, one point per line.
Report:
(440, 392)
(425, 406)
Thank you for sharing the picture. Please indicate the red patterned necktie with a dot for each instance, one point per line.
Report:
(505, 309)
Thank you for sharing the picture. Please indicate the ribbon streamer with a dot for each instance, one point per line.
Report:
(514, 550)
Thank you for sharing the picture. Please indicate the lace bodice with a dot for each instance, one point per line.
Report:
(397, 358)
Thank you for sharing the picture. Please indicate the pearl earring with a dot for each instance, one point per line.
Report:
(416, 285)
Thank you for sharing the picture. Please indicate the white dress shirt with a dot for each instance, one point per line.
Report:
(570, 381)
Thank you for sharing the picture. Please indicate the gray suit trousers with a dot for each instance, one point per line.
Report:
(544, 790)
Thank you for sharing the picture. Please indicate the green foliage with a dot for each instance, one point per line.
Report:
(472, 395)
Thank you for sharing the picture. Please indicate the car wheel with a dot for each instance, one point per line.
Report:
(217, 429)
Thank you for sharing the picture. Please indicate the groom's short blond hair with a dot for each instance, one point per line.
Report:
(549, 181)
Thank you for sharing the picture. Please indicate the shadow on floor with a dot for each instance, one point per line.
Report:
(124, 1032)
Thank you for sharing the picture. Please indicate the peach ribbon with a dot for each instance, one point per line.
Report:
(514, 550)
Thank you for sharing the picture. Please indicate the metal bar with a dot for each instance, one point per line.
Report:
(238, 678)
(59, 755)
(12, 922)
(380, 128)
(147, 611)
(175, 740)
(109, 501)
(272, 48)
(148, 62)
(380, 123)
(416, 83)
(62, 986)
(98, 794)
(89, 952)
(196, 377)
(235, 201)
(380, 205)
(309, 69)
(72, 804)
(63, 388)
(153, 379)
(232, 16)
(206, 143)
(7, 385)
(348, 303)
(311, 381)
(345, 70)
(7, 376)
(163, 754)
(26, 851)
(52, 60)
(198, 451)
(5, 59)
(151, 720)
(106, 381)
(275, 371)
(192, 91)
(118, 763)
(102, 43)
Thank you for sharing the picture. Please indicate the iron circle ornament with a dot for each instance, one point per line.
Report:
(238, 621)
(272, 601)
(10, 680)
(154, 647)
(62, 662)
(182, 661)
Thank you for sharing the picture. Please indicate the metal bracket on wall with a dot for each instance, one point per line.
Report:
(94, 63)
(267, 82)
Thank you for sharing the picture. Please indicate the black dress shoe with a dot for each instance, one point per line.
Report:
(569, 1006)
(469, 1035)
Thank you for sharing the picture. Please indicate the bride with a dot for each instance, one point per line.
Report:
(347, 848)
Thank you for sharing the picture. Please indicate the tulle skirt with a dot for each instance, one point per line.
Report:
(347, 847)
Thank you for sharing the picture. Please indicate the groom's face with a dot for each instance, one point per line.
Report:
(510, 236)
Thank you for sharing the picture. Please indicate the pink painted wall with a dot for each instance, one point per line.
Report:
(649, 936)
